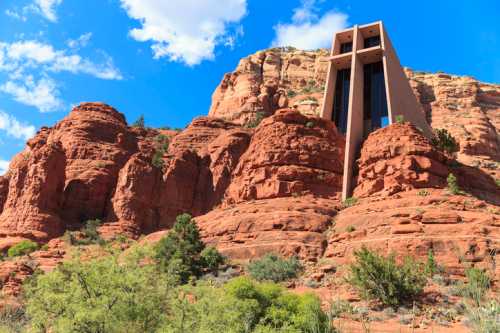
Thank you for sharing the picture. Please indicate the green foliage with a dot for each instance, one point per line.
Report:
(13, 319)
(423, 193)
(453, 187)
(100, 295)
(400, 119)
(485, 317)
(310, 124)
(478, 283)
(350, 228)
(381, 278)
(444, 141)
(255, 121)
(22, 248)
(140, 122)
(349, 202)
(431, 266)
(274, 268)
(244, 305)
(182, 253)
(212, 259)
(161, 147)
(290, 93)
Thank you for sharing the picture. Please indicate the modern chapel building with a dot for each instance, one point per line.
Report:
(366, 89)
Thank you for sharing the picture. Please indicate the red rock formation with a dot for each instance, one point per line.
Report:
(4, 190)
(288, 226)
(290, 154)
(398, 158)
(34, 200)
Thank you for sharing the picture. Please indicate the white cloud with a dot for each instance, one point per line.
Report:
(308, 30)
(42, 94)
(185, 30)
(15, 128)
(15, 15)
(47, 8)
(4, 166)
(29, 63)
(80, 42)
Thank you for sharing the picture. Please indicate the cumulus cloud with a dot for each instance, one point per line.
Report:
(15, 128)
(308, 30)
(186, 31)
(28, 65)
(4, 166)
(47, 8)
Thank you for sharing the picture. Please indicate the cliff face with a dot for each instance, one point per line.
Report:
(274, 187)
(276, 78)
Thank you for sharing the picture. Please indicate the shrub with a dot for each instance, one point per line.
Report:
(423, 193)
(140, 122)
(22, 248)
(484, 318)
(255, 121)
(453, 187)
(180, 252)
(444, 141)
(243, 305)
(431, 266)
(310, 124)
(380, 278)
(212, 259)
(161, 147)
(13, 319)
(400, 119)
(350, 228)
(478, 283)
(290, 93)
(100, 295)
(274, 268)
(349, 202)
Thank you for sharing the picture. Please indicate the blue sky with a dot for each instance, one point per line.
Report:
(164, 58)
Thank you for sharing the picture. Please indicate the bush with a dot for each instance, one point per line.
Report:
(350, 228)
(349, 202)
(243, 305)
(380, 278)
(22, 248)
(274, 268)
(423, 193)
(100, 295)
(444, 141)
(161, 147)
(431, 266)
(453, 187)
(478, 283)
(484, 318)
(255, 121)
(182, 253)
(400, 119)
(310, 124)
(140, 122)
(290, 93)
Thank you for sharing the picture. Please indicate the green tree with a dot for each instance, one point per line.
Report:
(444, 141)
(102, 295)
(453, 187)
(377, 277)
(180, 251)
(274, 268)
(22, 248)
(140, 122)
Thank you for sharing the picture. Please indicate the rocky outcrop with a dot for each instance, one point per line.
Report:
(4, 190)
(399, 158)
(288, 226)
(460, 230)
(269, 80)
(34, 202)
(289, 155)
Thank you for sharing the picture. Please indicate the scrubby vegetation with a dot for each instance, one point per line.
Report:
(271, 267)
(381, 278)
(140, 122)
(349, 202)
(182, 253)
(256, 120)
(22, 248)
(453, 187)
(161, 147)
(400, 119)
(87, 235)
(444, 141)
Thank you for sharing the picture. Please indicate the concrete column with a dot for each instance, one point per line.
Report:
(354, 135)
(331, 79)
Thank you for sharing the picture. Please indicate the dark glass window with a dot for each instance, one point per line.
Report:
(372, 41)
(341, 99)
(346, 47)
(375, 101)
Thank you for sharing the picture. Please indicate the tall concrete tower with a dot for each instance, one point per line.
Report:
(366, 89)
